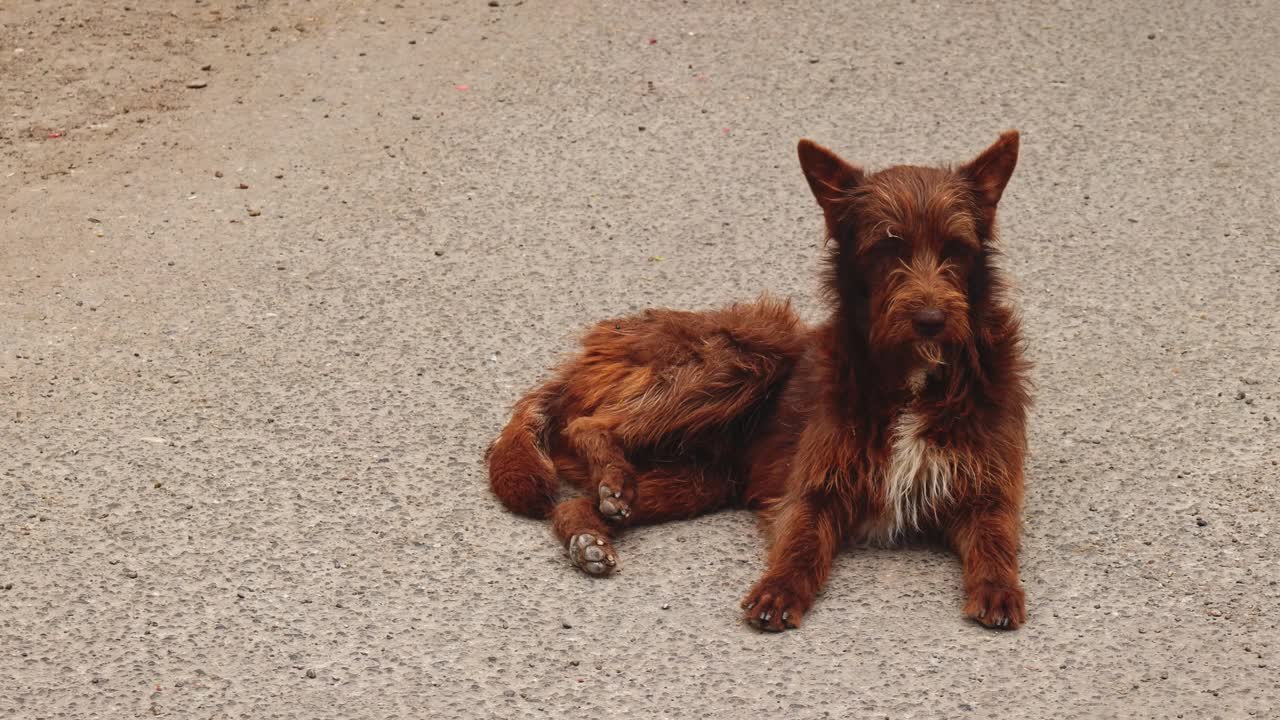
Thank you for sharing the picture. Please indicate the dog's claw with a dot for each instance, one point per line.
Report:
(772, 608)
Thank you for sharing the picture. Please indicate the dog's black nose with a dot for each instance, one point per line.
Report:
(929, 321)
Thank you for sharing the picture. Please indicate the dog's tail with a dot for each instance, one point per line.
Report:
(521, 473)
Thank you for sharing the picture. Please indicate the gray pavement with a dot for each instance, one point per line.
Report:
(240, 463)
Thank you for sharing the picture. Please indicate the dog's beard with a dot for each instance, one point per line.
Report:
(930, 353)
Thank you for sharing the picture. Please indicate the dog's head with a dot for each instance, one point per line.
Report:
(911, 243)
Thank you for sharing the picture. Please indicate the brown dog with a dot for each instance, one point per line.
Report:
(902, 413)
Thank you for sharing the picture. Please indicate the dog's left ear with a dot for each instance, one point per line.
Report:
(990, 171)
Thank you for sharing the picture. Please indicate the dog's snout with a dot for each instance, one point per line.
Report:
(928, 321)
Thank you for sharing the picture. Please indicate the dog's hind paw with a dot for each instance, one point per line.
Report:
(592, 555)
(613, 504)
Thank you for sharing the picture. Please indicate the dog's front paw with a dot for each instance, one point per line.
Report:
(997, 606)
(772, 606)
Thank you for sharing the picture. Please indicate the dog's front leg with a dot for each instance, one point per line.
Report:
(987, 542)
(806, 537)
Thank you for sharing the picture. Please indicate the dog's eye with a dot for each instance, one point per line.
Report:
(957, 250)
(891, 246)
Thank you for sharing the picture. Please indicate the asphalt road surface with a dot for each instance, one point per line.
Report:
(272, 273)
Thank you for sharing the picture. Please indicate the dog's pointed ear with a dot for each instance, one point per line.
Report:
(990, 171)
(829, 177)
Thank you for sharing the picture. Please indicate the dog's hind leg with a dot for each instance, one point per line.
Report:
(675, 381)
(601, 442)
(662, 494)
(612, 476)
(584, 535)
(680, 493)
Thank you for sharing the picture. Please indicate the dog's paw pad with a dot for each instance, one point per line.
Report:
(612, 505)
(592, 555)
(1000, 607)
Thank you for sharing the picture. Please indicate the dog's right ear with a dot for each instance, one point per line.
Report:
(829, 177)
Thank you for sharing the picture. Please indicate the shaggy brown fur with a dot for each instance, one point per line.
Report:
(903, 413)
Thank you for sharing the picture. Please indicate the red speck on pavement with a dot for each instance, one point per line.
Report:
(462, 87)
(653, 41)
(55, 135)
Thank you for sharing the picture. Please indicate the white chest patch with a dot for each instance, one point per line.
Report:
(916, 481)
